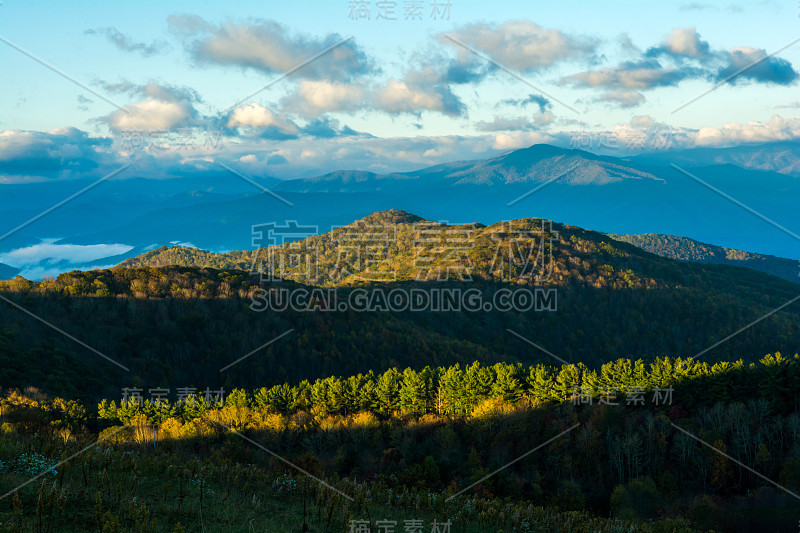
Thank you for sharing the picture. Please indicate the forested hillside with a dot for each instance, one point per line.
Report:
(686, 249)
(180, 325)
(563, 255)
(185, 256)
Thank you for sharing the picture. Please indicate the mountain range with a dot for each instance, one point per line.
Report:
(744, 200)
(781, 156)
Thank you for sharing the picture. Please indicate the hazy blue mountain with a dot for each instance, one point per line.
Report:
(112, 203)
(228, 224)
(348, 181)
(612, 195)
(537, 164)
(7, 272)
(783, 157)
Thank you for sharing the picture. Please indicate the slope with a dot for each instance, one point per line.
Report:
(686, 249)
(180, 326)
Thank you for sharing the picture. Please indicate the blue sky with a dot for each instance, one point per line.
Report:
(399, 95)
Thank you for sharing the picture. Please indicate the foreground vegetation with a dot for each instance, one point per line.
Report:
(403, 449)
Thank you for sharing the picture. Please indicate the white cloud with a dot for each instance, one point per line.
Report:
(754, 64)
(38, 155)
(164, 107)
(268, 46)
(74, 253)
(314, 96)
(646, 132)
(397, 96)
(257, 116)
(126, 43)
(644, 74)
(543, 119)
(776, 129)
(503, 124)
(680, 56)
(522, 44)
(686, 42)
(520, 139)
(419, 90)
(151, 114)
(622, 98)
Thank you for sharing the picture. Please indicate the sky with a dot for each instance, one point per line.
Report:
(297, 89)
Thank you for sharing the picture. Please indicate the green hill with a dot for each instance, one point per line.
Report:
(580, 256)
(603, 299)
(185, 256)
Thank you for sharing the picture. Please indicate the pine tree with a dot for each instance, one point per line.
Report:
(387, 392)
(567, 383)
(506, 384)
(478, 382)
(452, 392)
(413, 393)
(541, 384)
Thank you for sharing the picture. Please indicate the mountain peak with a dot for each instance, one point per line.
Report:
(544, 148)
(392, 216)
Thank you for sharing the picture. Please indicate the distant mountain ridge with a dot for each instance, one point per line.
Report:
(686, 249)
(533, 165)
(782, 157)
(616, 195)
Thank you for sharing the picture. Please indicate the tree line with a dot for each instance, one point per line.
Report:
(456, 391)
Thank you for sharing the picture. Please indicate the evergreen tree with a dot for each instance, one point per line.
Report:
(387, 392)
(413, 393)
